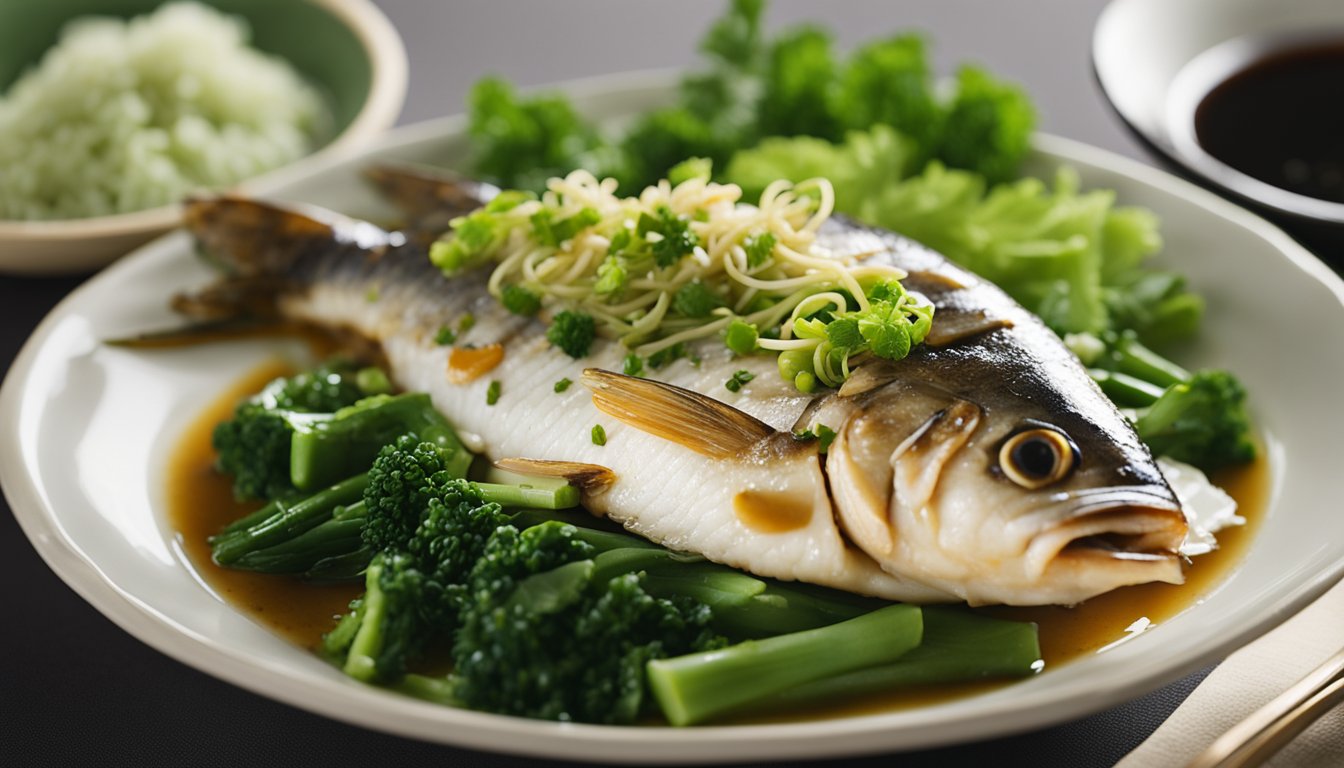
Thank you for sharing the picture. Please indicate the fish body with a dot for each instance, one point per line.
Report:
(939, 485)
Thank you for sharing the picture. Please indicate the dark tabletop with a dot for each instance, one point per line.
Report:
(77, 690)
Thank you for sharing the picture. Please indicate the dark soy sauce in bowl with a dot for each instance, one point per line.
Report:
(1281, 120)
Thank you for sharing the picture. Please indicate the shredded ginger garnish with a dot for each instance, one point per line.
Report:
(683, 262)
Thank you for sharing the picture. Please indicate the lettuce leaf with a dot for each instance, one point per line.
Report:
(1071, 256)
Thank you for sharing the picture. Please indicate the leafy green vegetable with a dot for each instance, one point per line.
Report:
(889, 82)
(1199, 418)
(988, 127)
(521, 142)
(799, 86)
(1072, 257)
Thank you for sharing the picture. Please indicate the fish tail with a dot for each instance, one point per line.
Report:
(268, 250)
(250, 238)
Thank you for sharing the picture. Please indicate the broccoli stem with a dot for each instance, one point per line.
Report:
(346, 566)
(336, 643)
(957, 646)
(283, 523)
(696, 687)
(436, 690)
(323, 450)
(1125, 390)
(333, 538)
(367, 642)
(558, 497)
(1128, 356)
(744, 606)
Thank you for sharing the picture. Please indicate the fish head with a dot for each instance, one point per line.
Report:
(1000, 492)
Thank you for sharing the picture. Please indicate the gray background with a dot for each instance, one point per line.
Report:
(1042, 44)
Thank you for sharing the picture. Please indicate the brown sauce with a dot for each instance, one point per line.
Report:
(1281, 120)
(201, 502)
(769, 512)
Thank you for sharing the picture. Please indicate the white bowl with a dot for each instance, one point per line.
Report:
(1157, 59)
(80, 245)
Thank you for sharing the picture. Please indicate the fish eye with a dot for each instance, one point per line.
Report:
(1037, 457)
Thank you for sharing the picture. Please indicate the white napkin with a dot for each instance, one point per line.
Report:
(1247, 680)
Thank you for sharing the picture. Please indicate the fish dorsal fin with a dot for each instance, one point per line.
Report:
(867, 377)
(952, 326)
(701, 423)
(420, 190)
(588, 478)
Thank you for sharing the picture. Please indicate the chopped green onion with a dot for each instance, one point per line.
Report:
(634, 365)
(562, 385)
(599, 435)
(492, 393)
(738, 379)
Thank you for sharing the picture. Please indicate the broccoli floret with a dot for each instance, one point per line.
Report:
(412, 500)
(572, 332)
(404, 478)
(447, 544)
(254, 446)
(416, 588)
(1201, 421)
(540, 638)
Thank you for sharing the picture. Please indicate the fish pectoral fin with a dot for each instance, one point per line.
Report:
(690, 419)
(861, 487)
(917, 463)
(590, 479)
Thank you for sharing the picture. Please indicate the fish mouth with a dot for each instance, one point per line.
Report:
(1136, 530)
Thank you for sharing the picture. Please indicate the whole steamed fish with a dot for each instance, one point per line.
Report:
(984, 467)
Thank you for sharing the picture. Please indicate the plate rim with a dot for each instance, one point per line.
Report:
(403, 716)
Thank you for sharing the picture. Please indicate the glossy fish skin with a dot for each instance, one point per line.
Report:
(896, 513)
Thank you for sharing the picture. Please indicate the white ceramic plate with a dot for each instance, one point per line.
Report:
(85, 432)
